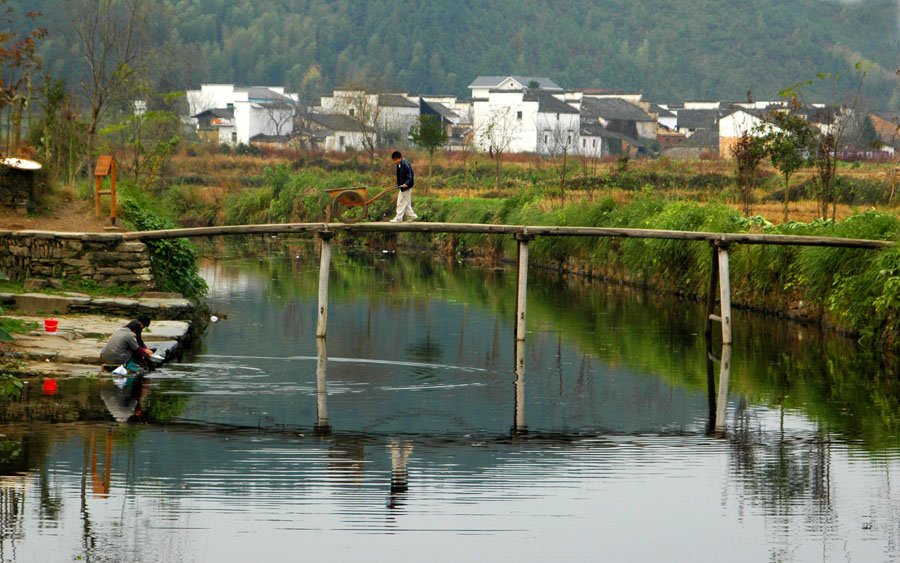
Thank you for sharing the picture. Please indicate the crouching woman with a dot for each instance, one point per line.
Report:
(123, 349)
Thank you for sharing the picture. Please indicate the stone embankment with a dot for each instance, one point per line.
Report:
(73, 349)
(50, 258)
(46, 260)
(85, 323)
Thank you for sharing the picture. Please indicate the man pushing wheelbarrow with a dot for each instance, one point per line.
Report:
(405, 181)
(350, 204)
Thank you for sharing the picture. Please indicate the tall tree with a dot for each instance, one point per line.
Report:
(19, 62)
(788, 145)
(119, 46)
(363, 108)
(749, 150)
(497, 134)
(559, 142)
(429, 133)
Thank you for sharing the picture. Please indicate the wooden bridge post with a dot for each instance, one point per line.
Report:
(713, 286)
(324, 267)
(725, 293)
(521, 287)
(719, 274)
(724, 375)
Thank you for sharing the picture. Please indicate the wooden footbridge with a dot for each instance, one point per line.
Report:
(719, 245)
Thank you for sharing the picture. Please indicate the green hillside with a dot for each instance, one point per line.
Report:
(691, 49)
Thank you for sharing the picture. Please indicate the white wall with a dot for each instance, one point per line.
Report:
(250, 118)
(351, 140)
(590, 146)
(399, 119)
(670, 121)
(512, 118)
(558, 133)
(737, 124)
(209, 96)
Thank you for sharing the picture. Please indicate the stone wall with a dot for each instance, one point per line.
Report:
(105, 258)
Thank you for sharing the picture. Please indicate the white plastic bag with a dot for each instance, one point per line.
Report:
(120, 371)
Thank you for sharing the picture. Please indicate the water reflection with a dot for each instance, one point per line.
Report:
(122, 396)
(519, 426)
(400, 452)
(322, 426)
(411, 427)
(717, 399)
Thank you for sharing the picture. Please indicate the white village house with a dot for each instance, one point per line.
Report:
(510, 117)
(233, 115)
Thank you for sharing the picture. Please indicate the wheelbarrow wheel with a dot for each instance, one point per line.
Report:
(349, 206)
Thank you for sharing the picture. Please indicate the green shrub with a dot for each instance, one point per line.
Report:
(173, 262)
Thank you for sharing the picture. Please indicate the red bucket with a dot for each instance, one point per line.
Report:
(50, 387)
(50, 325)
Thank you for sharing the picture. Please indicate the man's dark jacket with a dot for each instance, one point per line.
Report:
(405, 175)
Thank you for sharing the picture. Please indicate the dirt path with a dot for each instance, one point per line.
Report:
(71, 216)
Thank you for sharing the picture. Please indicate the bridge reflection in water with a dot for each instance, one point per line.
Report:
(607, 426)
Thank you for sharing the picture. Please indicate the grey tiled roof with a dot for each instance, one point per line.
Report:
(547, 103)
(702, 138)
(613, 108)
(661, 111)
(224, 113)
(260, 94)
(441, 110)
(697, 118)
(334, 121)
(596, 130)
(395, 100)
(494, 81)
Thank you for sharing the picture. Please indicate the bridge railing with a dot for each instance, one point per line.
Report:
(719, 244)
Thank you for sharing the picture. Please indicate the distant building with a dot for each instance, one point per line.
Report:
(483, 85)
(389, 115)
(619, 115)
(330, 132)
(887, 128)
(229, 114)
(525, 120)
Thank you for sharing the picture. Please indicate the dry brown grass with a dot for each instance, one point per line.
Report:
(226, 173)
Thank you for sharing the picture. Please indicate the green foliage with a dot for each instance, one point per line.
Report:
(5, 336)
(428, 133)
(748, 151)
(312, 45)
(173, 261)
(287, 197)
(857, 290)
(144, 141)
(10, 385)
(9, 326)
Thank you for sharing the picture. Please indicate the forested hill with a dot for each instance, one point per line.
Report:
(689, 49)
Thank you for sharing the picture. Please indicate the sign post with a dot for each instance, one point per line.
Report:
(106, 166)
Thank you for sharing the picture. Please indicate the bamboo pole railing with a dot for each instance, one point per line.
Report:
(719, 244)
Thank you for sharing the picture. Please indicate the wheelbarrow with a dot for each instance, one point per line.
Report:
(350, 204)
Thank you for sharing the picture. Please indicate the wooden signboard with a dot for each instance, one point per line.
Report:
(106, 166)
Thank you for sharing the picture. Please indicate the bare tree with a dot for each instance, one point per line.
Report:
(559, 142)
(363, 108)
(497, 135)
(119, 46)
(466, 151)
(280, 116)
(835, 121)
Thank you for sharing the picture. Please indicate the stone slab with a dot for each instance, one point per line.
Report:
(41, 303)
(74, 349)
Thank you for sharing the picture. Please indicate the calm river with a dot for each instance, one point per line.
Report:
(412, 436)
